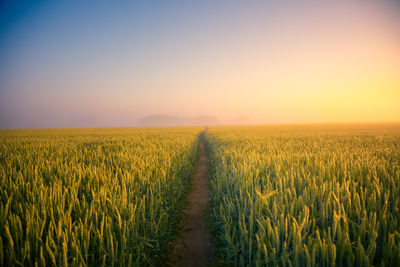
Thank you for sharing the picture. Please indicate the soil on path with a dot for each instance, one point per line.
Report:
(194, 247)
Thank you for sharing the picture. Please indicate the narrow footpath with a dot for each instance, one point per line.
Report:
(194, 247)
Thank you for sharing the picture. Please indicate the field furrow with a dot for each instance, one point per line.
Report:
(98, 197)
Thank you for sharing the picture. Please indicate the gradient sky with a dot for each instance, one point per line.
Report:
(102, 63)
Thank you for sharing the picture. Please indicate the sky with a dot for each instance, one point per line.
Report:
(112, 63)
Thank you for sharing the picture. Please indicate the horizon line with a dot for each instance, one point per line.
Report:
(209, 125)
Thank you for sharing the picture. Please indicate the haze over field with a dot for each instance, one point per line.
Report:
(98, 63)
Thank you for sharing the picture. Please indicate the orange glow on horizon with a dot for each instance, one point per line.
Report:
(305, 62)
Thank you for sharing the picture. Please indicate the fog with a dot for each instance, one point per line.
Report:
(71, 64)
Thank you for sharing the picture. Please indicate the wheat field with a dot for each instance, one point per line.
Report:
(306, 195)
(94, 197)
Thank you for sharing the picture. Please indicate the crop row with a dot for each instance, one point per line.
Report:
(93, 196)
(306, 195)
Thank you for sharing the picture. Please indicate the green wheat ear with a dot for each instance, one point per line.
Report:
(266, 196)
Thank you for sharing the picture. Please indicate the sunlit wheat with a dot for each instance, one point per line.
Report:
(306, 195)
(94, 197)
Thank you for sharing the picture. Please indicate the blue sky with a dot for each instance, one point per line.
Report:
(102, 63)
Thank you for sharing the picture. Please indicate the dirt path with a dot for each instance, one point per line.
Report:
(194, 248)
